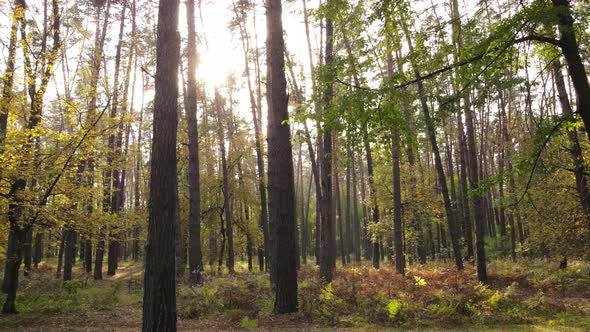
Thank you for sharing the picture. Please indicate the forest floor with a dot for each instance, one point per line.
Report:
(528, 296)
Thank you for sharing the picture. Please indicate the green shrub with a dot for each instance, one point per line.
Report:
(394, 309)
(495, 300)
(72, 286)
(330, 306)
(247, 323)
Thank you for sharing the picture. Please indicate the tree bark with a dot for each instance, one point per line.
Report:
(69, 253)
(400, 259)
(159, 300)
(112, 175)
(372, 197)
(327, 232)
(28, 251)
(8, 77)
(574, 148)
(227, 195)
(38, 254)
(195, 256)
(281, 183)
(571, 53)
(355, 212)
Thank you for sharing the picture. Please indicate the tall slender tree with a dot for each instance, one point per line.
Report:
(281, 182)
(159, 300)
(194, 245)
(327, 231)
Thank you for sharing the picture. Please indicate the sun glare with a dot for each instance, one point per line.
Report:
(213, 69)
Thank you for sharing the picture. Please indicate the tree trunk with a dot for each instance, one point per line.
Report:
(476, 199)
(69, 253)
(227, 205)
(179, 242)
(366, 240)
(60, 254)
(112, 175)
(38, 255)
(571, 53)
(159, 300)
(195, 256)
(88, 255)
(348, 211)
(18, 233)
(575, 148)
(355, 212)
(400, 260)
(466, 211)
(281, 186)
(254, 106)
(14, 256)
(28, 251)
(97, 59)
(327, 232)
(372, 197)
(8, 77)
(339, 210)
(137, 178)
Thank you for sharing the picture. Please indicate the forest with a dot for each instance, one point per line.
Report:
(295, 165)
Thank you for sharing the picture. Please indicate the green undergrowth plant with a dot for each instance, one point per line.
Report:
(231, 297)
(431, 296)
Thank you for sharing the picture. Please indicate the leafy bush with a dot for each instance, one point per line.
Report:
(231, 296)
(247, 323)
(394, 309)
(72, 286)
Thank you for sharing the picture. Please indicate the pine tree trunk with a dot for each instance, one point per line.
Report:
(178, 242)
(348, 211)
(372, 197)
(227, 204)
(88, 255)
(400, 260)
(8, 77)
(159, 300)
(195, 256)
(255, 106)
(97, 59)
(466, 211)
(69, 253)
(366, 241)
(327, 232)
(281, 183)
(339, 211)
(355, 212)
(38, 255)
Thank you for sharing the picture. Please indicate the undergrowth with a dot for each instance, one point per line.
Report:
(431, 296)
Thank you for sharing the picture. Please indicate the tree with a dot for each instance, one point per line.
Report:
(281, 182)
(241, 12)
(19, 226)
(222, 113)
(571, 53)
(159, 300)
(195, 258)
(328, 225)
(8, 77)
(442, 180)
